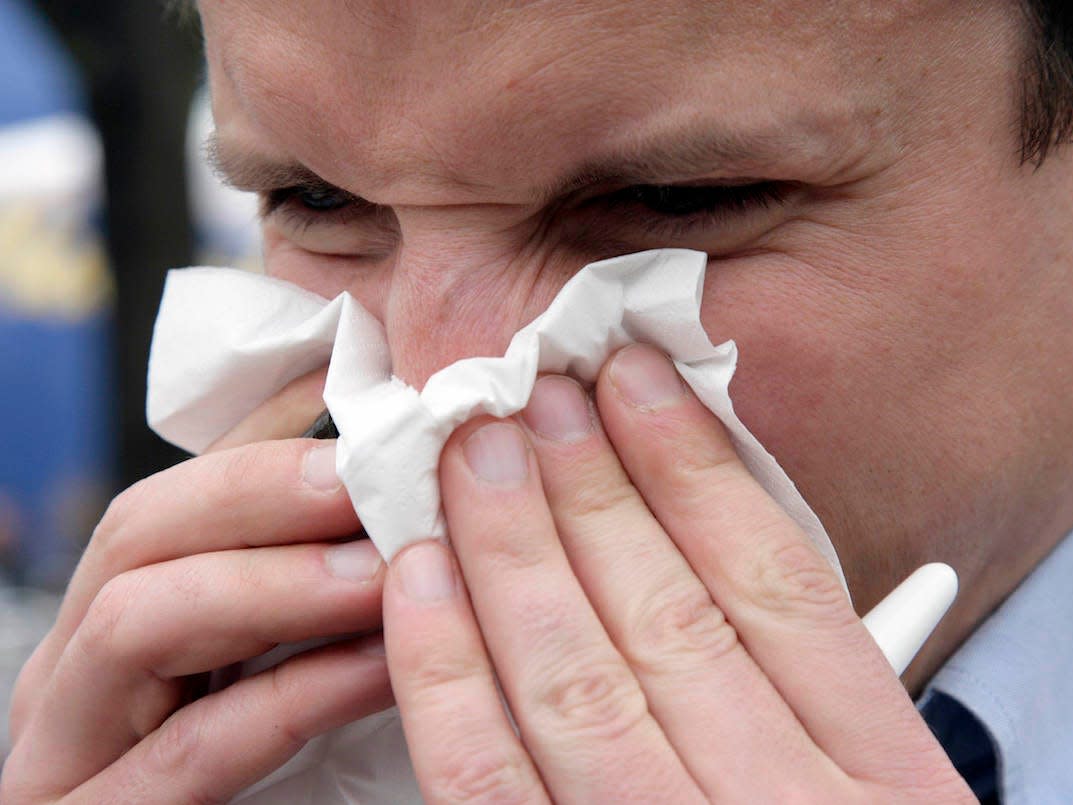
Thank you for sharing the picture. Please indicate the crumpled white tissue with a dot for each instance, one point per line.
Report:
(226, 340)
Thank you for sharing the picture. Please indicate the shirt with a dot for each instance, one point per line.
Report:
(1002, 705)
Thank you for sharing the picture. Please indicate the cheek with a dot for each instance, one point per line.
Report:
(325, 275)
(808, 359)
(863, 381)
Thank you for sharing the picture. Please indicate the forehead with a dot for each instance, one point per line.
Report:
(483, 94)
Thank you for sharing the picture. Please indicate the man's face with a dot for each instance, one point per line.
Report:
(877, 252)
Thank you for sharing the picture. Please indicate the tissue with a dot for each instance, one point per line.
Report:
(226, 340)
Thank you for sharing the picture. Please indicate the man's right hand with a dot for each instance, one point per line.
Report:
(209, 563)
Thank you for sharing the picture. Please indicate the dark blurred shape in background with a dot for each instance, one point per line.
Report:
(140, 67)
(101, 132)
(129, 69)
(94, 99)
(55, 294)
(84, 247)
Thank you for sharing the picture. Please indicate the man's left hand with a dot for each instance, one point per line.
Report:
(659, 628)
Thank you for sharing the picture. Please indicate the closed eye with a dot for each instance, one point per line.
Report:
(695, 204)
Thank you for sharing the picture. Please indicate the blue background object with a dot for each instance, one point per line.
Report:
(56, 461)
(56, 434)
(37, 78)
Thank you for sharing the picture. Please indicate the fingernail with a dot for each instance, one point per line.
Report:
(354, 561)
(558, 409)
(497, 453)
(645, 377)
(318, 470)
(426, 573)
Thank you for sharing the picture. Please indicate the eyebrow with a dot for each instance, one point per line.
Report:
(254, 173)
(661, 160)
(682, 157)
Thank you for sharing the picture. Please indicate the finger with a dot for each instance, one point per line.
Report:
(658, 613)
(285, 415)
(581, 712)
(262, 494)
(153, 625)
(780, 594)
(461, 742)
(268, 493)
(214, 748)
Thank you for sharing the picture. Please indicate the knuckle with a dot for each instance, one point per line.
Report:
(107, 537)
(105, 630)
(679, 623)
(290, 692)
(507, 554)
(794, 578)
(26, 693)
(436, 676)
(177, 746)
(235, 468)
(697, 476)
(489, 774)
(595, 499)
(599, 700)
(18, 785)
(177, 743)
(691, 457)
(249, 572)
(180, 581)
(12, 792)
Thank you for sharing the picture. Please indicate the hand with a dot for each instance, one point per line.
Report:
(661, 630)
(206, 564)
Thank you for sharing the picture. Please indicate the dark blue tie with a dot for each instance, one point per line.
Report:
(966, 742)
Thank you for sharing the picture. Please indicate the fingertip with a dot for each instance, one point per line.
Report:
(559, 410)
(645, 378)
(319, 467)
(425, 573)
(465, 430)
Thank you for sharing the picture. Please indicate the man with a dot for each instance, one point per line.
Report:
(896, 277)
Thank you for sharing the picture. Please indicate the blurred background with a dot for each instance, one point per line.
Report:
(102, 190)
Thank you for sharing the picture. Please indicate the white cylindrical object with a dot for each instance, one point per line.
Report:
(902, 621)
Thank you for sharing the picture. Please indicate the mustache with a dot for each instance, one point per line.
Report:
(323, 427)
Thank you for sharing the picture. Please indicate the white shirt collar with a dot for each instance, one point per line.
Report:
(1015, 674)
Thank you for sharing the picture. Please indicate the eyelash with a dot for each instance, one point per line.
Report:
(679, 209)
(662, 209)
(300, 211)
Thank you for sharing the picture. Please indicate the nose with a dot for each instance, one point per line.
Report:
(461, 295)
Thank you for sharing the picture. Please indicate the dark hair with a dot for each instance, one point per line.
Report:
(1046, 74)
(1047, 77)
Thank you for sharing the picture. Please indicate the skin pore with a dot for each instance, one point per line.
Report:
(896, 282)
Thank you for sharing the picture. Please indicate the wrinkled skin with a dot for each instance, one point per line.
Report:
(902, 312)
(883, 315)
